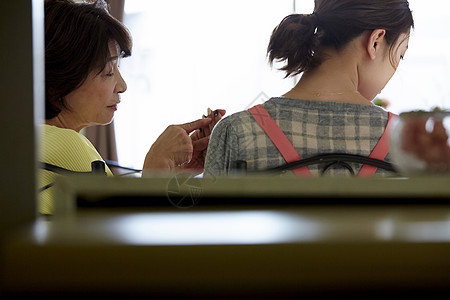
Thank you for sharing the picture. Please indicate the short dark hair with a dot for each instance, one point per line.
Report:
(299, 38)
(77, 37)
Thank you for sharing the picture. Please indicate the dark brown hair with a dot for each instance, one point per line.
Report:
(298, 39)
(77, 37)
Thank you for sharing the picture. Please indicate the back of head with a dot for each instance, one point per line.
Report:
(77, 36)
(298, 39)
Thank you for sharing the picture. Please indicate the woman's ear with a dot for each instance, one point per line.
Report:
(376, 38)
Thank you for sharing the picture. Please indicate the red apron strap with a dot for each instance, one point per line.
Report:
(380, 151)
(277, 136)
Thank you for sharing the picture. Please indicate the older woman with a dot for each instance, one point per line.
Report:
(83, 47)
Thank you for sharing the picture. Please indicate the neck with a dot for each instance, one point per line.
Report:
(62, 122)
(336, 79)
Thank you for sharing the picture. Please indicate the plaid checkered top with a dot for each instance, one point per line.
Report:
(313, 127)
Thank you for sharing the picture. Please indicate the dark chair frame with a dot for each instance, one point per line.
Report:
(333, 159)
(98, 168)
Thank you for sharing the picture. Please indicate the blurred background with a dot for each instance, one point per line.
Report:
(191, 55)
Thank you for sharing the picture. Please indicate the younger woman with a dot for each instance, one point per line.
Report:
(346, 52)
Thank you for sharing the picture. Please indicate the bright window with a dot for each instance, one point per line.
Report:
(195, 54)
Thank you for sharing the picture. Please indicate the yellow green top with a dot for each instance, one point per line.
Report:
(64, 148)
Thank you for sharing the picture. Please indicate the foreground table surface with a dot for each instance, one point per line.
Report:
(234, 250)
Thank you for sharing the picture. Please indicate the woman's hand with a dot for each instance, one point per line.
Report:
(174, 148)
(200, 140)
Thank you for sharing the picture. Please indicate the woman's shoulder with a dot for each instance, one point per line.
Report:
(241, 120)
(246, 115)
(60, 145)
(231, 121)
(53, 132)
(63, 137)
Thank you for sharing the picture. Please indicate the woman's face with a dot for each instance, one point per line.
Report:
(95, 101)
(383, 68)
